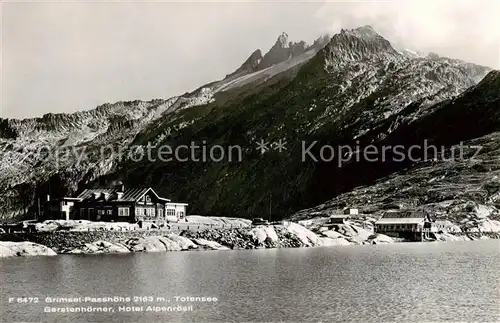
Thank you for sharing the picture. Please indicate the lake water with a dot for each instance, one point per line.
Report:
(407, 282)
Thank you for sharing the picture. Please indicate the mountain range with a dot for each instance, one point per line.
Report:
(353, 88)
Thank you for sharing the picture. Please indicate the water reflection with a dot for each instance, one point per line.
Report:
(399, 282)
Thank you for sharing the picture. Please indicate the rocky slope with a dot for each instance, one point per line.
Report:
(460, 183)
(58, 153)
(286, 235)
(59, 150)
(357, 88)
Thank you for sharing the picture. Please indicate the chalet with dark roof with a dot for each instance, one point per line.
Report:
(395, 221)
(405, 223)
(118, 204)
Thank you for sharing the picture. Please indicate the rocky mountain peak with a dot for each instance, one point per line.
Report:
(282, 41)
(249, 66)
(254, 59)
(433, 55)
(321, 42)
(370, 93)
(366, 32)
(360, 44)
(366, 36)
(282, 50)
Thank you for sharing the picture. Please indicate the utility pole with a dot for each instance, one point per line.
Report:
(270, 206)
(38, 214)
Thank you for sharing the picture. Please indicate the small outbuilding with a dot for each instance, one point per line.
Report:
(338, 219)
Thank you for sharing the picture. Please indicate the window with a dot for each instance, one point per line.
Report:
(99, 212)
(110, 212)
(160, 213)
(170, 212)
(145, 211)
(180, 214)
(123, 211)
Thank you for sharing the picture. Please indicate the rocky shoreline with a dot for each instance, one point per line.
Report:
(286, 235)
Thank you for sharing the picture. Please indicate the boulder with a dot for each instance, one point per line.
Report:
(332, 234)
(101, 247)
(207, 244)
(183, 242)
(307, 237)
(354, 233)
(380, 238)
(152, 244)
(335, 242)
(8, 249)
(262, 233)
(489, 226)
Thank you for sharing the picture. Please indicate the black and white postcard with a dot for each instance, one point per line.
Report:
(250, 161)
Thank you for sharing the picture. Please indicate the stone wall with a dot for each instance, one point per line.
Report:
(236, 238)
(59, 240)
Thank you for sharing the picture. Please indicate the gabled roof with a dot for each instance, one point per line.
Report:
(400, 221)
(129, 194)
(403, 217)
(404, 214)
(339, 216)
(65, 198)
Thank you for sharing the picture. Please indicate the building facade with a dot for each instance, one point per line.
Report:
(404, 224)
(60, 208)
(443, 225)
(350, 211)
(116, 205)
(338, 219)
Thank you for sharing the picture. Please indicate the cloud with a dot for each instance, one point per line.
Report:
(462, 29)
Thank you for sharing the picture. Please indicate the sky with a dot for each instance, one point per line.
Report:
(71, 56)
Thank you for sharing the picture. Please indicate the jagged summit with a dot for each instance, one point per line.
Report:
(366, 32)
(282, 40)
(359, 44)
(369, 93)
(320, 42)
(249, 66)
(433, 55)
(282, 50)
